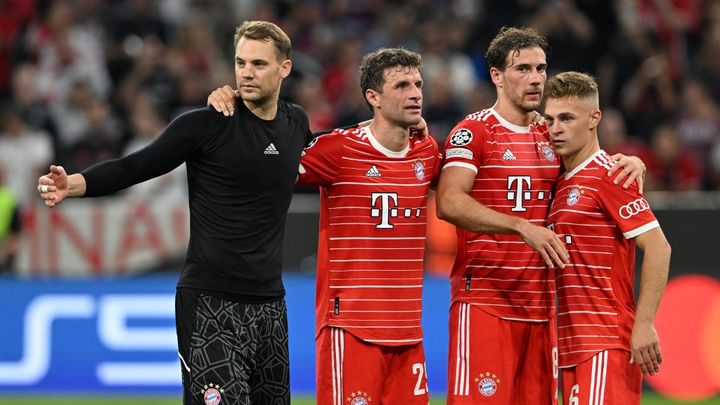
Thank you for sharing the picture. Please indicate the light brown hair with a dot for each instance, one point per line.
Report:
(512, 39)
(265, 31)
(571, 84)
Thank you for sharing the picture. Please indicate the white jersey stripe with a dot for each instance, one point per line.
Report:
(592, 381)
(371, 271)
(375, 260)
(461, 164)
(375, 185)
(598, 378)
(604, 376)
(393, 340)
(377, 286)
(400, 238)
(337, 354)
(641, 230)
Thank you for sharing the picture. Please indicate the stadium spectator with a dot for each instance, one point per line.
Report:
(614, 138)
(24, 153)
(101, 42)
(9, 227)
(698, 122)
(670, 167)
(146, 123)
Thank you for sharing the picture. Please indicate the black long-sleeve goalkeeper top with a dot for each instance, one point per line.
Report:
(241, 175)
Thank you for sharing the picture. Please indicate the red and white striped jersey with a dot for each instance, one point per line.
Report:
(515, 170)
(372, 233)
(598, 221)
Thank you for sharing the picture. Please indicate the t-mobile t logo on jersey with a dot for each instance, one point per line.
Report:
(384, 206)
(519, 191)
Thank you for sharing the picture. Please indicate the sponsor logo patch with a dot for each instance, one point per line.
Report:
(271, 150)
(373, 172)
(461, 137)
(633, 208)
(459, 152)
(508, 155)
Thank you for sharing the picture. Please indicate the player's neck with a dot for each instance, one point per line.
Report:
(571, 162)
(266, 110)
(392, 137)
(512, 114)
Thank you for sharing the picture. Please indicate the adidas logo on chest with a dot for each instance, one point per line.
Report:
(271, 150)
(508, 155)
(373, 172)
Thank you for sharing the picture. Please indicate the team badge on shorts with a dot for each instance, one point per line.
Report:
(487, 384)
(461, 137)
(574, 196)
(546, 151)
(359, 398)
(419, 170)
(212, 394)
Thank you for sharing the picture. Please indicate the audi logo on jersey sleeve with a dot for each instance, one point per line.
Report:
(633, 208)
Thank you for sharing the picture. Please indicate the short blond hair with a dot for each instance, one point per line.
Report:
(571, 84)
(265, 30)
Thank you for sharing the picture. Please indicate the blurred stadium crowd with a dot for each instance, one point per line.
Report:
(86, 80)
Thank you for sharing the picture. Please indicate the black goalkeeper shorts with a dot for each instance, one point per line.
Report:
(232, 353)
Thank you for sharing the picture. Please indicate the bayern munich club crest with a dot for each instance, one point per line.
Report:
(212, 394)
(546, 150)
(419, 170)
(487, 384)
(359, 398)
(461, 137)
(574, 196)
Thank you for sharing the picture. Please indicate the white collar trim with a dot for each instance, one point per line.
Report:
(582, 165)
(385, 151)
(509, 125)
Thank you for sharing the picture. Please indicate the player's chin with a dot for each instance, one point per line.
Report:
(250, 94)
(562, 151)
(530, 105)
(413, 118)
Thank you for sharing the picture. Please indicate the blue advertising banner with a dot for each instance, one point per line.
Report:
(118, 335)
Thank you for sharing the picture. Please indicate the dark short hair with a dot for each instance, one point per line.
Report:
(373, 65)
(513, 39)
(571, 84)
(267, 31)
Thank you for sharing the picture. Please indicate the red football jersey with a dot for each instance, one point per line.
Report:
(372, 233)
(515, 169)
(598, 221)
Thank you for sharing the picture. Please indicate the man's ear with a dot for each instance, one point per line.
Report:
(595, 118)
(496, 76)
(372, 97)
(285, 68)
